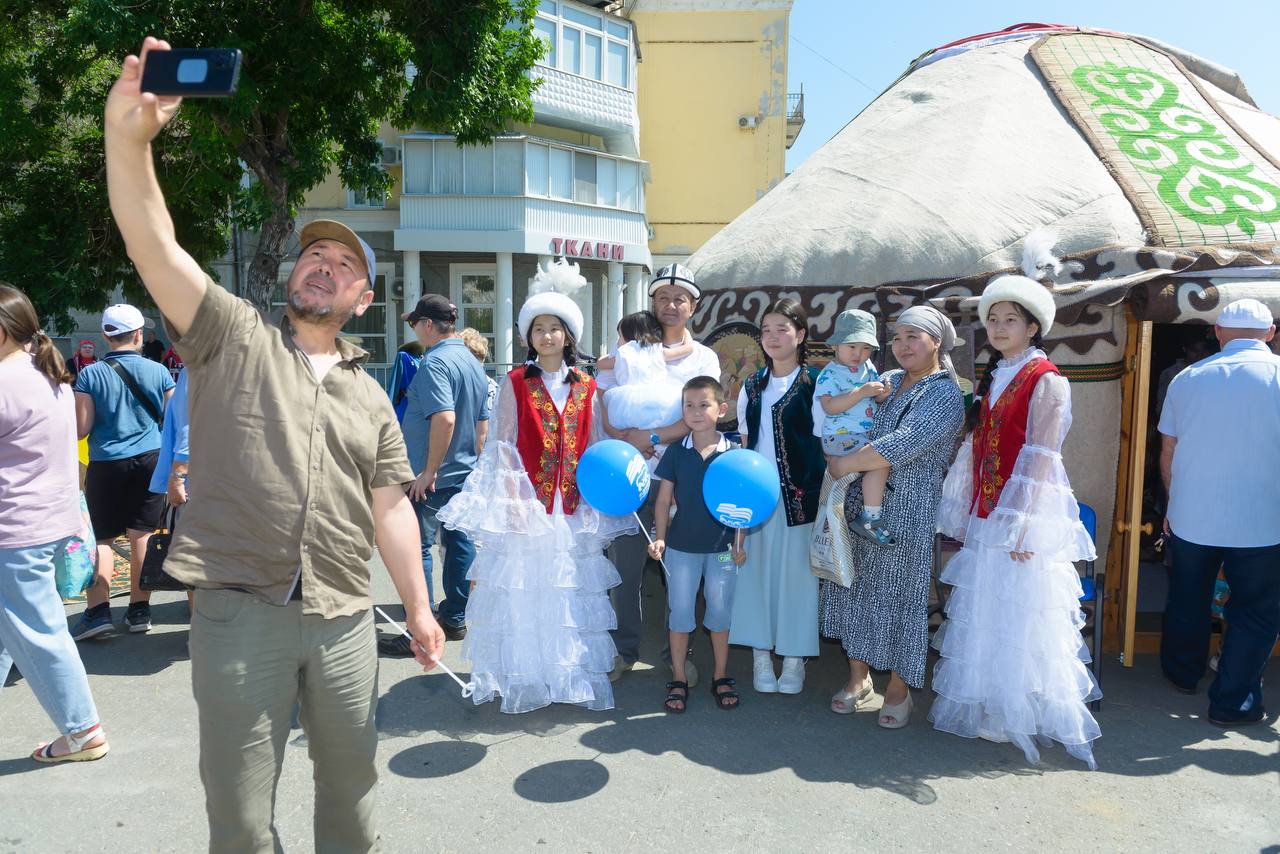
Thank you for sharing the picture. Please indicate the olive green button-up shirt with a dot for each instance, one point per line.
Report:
(283, 466)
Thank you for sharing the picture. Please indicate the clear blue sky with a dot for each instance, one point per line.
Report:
(874, 41)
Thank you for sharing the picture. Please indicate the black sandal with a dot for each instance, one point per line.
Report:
(723, 696)
(673, 697)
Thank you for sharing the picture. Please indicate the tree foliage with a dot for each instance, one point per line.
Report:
(318, 80)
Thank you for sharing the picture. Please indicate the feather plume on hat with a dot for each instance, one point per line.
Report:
(1034, 289)
(551, 292)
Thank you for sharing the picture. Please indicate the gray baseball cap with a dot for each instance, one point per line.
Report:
(854, 326)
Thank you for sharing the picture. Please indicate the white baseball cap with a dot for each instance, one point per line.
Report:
(122, 318)
(1245, 314)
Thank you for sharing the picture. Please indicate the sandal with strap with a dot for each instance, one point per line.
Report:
(672, 698)
(723, 697)
(77, 752)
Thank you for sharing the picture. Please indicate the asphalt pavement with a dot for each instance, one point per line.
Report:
(782, 773)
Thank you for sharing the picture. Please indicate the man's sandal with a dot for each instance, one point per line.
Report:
(672, 698)
(723, 697)
(76, 747)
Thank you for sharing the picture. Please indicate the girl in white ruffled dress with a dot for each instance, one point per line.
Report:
(1013, 659)
(539, 615)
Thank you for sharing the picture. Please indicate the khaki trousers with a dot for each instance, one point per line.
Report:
(250, 663)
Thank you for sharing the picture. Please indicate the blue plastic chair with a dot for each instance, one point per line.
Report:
(1093, 592)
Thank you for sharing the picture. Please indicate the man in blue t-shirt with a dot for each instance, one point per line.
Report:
(445, 424)
(119, 405)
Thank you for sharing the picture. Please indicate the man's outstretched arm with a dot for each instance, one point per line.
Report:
(133, 118)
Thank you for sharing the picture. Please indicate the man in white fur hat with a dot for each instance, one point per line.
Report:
(1219, 460)
(673, 295)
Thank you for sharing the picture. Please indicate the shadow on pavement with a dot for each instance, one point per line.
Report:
(563, 781)
(437, 759)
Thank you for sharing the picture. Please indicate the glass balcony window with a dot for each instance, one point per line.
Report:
(546, 30)
(579, 17)
(518, 166)
(584, 43)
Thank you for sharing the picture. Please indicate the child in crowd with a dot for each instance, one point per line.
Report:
(642, 396)
(1013, 662)
(479, 347)
(775, 607)
(845, 402)
(539, 614)
(698, 549)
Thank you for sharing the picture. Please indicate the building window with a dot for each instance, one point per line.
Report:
(546, 30)
(561, 174)
(585, 43)
(365, 200)
(584, 178)
(473, 291)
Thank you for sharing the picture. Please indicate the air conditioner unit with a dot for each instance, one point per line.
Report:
(391, 155)
(747, 122)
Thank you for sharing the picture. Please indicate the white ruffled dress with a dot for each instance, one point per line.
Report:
(645, 395)
(1013, 664)
(538, 618)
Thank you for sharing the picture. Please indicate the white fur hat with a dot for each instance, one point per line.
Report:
(1029, 290)
(551, 293)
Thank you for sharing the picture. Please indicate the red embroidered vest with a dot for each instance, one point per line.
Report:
(1001, 433)
(551, 443)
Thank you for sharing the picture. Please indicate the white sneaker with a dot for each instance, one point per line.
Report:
(792, 679)
(763, 678)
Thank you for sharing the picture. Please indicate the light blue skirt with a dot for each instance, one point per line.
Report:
(776, 603)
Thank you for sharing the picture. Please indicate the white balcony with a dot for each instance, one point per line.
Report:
(588, 74)
(521, 195)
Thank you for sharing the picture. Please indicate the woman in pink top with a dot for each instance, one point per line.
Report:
(39, 503)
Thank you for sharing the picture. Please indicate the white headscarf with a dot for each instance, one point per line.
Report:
(928, 319)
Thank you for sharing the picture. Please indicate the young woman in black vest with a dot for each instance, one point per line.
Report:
(776, 606)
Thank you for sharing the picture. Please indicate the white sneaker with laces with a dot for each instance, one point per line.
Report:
(792, 679)
(763, 678)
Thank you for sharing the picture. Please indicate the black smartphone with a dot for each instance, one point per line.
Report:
(192, 72)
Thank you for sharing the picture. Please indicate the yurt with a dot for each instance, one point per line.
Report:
(1155, 168)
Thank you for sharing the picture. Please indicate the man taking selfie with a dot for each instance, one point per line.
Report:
(298, 467)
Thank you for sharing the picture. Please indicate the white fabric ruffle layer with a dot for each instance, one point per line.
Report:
(1037, 511)
(498, 501)
(538, 618)
(1013, 664)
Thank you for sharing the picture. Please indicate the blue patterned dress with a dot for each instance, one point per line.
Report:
(882, 618)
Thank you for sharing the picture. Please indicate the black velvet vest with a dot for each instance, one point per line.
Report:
(797, 452)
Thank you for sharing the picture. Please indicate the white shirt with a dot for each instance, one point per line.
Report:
(1225, 413)
(770, 395)
(557, 386)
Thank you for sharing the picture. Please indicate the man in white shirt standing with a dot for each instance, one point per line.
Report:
(674, 297)
(1221, 452)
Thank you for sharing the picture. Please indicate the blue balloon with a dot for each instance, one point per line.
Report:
(613, 477)
(741, 488)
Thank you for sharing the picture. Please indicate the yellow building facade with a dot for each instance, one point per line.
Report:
(716, 118)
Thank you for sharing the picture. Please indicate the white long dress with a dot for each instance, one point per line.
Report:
(1013, 660)
(539, 617)
(645, 395)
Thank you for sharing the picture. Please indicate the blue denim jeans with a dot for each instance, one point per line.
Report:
(34, 635)
(1252, 615)
(716, 573)
(457, 553)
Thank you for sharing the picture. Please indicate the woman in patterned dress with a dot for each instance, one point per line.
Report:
(882, 618)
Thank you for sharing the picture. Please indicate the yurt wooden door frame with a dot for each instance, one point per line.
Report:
(1121, 581)
(1123, 565)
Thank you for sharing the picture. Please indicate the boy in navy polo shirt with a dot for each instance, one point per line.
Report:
(698, 549)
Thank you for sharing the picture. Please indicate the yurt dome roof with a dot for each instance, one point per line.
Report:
(1148, 162)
